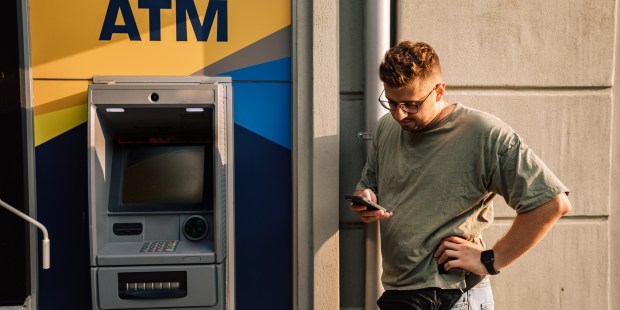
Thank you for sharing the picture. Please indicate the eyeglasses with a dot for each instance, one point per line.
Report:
(411, 107)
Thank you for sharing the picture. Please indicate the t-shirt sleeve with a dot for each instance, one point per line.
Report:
(369, 173)
(368, 180)
(522, 178)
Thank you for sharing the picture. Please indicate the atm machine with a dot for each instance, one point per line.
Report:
(160, 158)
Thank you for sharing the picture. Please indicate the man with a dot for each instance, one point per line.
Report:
(436, 167)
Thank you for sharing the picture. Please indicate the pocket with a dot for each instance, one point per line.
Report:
(488, 306)
(484, 283)
(460, 306)
(408, 300)
(400, 304)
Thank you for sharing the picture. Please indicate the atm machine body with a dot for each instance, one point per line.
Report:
(161, 192)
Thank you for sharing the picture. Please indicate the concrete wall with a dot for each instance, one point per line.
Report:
(614, 197)
(315, 154)
(547, 69)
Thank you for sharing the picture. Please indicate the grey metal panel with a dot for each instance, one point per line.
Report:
(125, 250)
(166, 96)
(229, 244)
(128, 253)
(112, 251)
(205, 287)
(222, 114)
(99, 161)
(160, 79)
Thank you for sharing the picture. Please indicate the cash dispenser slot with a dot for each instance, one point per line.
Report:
(151, 285)
(127, 229)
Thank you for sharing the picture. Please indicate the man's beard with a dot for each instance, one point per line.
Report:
(412, 126)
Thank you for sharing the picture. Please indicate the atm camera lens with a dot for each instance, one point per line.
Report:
(154, 97)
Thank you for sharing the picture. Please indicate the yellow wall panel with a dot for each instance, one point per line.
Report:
(58, 107)
(50, 125)
(65, 38)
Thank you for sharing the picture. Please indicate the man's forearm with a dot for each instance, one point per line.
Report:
(529, 229)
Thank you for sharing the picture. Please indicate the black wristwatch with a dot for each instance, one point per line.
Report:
(488, 258)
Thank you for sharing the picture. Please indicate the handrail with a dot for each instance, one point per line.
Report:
(46, 240)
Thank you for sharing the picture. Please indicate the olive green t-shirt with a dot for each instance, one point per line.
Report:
(441, 182)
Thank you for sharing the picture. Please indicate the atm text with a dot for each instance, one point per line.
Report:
(216, 10)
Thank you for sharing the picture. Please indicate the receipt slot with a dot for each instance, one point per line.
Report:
(160, 192)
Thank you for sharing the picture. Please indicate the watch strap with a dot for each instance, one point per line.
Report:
(488, 258)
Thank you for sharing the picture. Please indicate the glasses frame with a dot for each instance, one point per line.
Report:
(411, 107)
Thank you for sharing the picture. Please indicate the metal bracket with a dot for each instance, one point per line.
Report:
(364, 135)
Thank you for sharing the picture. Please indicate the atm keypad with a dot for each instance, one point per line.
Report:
(159, 246)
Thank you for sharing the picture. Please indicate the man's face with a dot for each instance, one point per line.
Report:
(417, 93)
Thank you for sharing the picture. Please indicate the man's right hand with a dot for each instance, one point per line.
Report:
(365, 215)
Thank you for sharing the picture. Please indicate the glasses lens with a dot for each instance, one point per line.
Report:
(410, 108)
(385, 103)
(407, 107)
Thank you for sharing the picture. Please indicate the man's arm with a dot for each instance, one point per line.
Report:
(528, 229)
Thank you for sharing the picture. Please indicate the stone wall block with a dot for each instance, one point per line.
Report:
(567, 270)
(569, 130)
(516, 43)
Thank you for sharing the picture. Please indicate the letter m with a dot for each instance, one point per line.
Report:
(187, 8)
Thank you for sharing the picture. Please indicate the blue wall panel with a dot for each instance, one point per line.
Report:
(62, 204)
(263, 190)
(263, 220)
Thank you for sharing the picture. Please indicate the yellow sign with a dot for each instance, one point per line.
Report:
(76, 39)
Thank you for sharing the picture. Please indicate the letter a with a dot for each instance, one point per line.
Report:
(109, 26)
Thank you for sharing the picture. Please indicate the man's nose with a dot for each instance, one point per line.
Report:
(399, 113)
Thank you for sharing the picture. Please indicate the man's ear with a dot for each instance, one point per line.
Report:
(440, 90)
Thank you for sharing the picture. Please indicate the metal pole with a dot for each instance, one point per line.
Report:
(377, 41)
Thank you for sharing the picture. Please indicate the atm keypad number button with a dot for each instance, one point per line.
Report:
(159, 246)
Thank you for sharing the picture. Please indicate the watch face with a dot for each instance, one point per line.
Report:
(487, 258)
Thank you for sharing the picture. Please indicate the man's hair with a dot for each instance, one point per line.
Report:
(407, 61)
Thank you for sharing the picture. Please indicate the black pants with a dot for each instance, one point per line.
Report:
(423, 299)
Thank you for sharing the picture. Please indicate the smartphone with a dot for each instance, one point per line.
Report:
(358, 200)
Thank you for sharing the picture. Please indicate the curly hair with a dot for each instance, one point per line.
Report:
(407, 61)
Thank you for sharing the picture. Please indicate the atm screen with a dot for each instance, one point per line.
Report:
(172, 174)
(161, 178)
